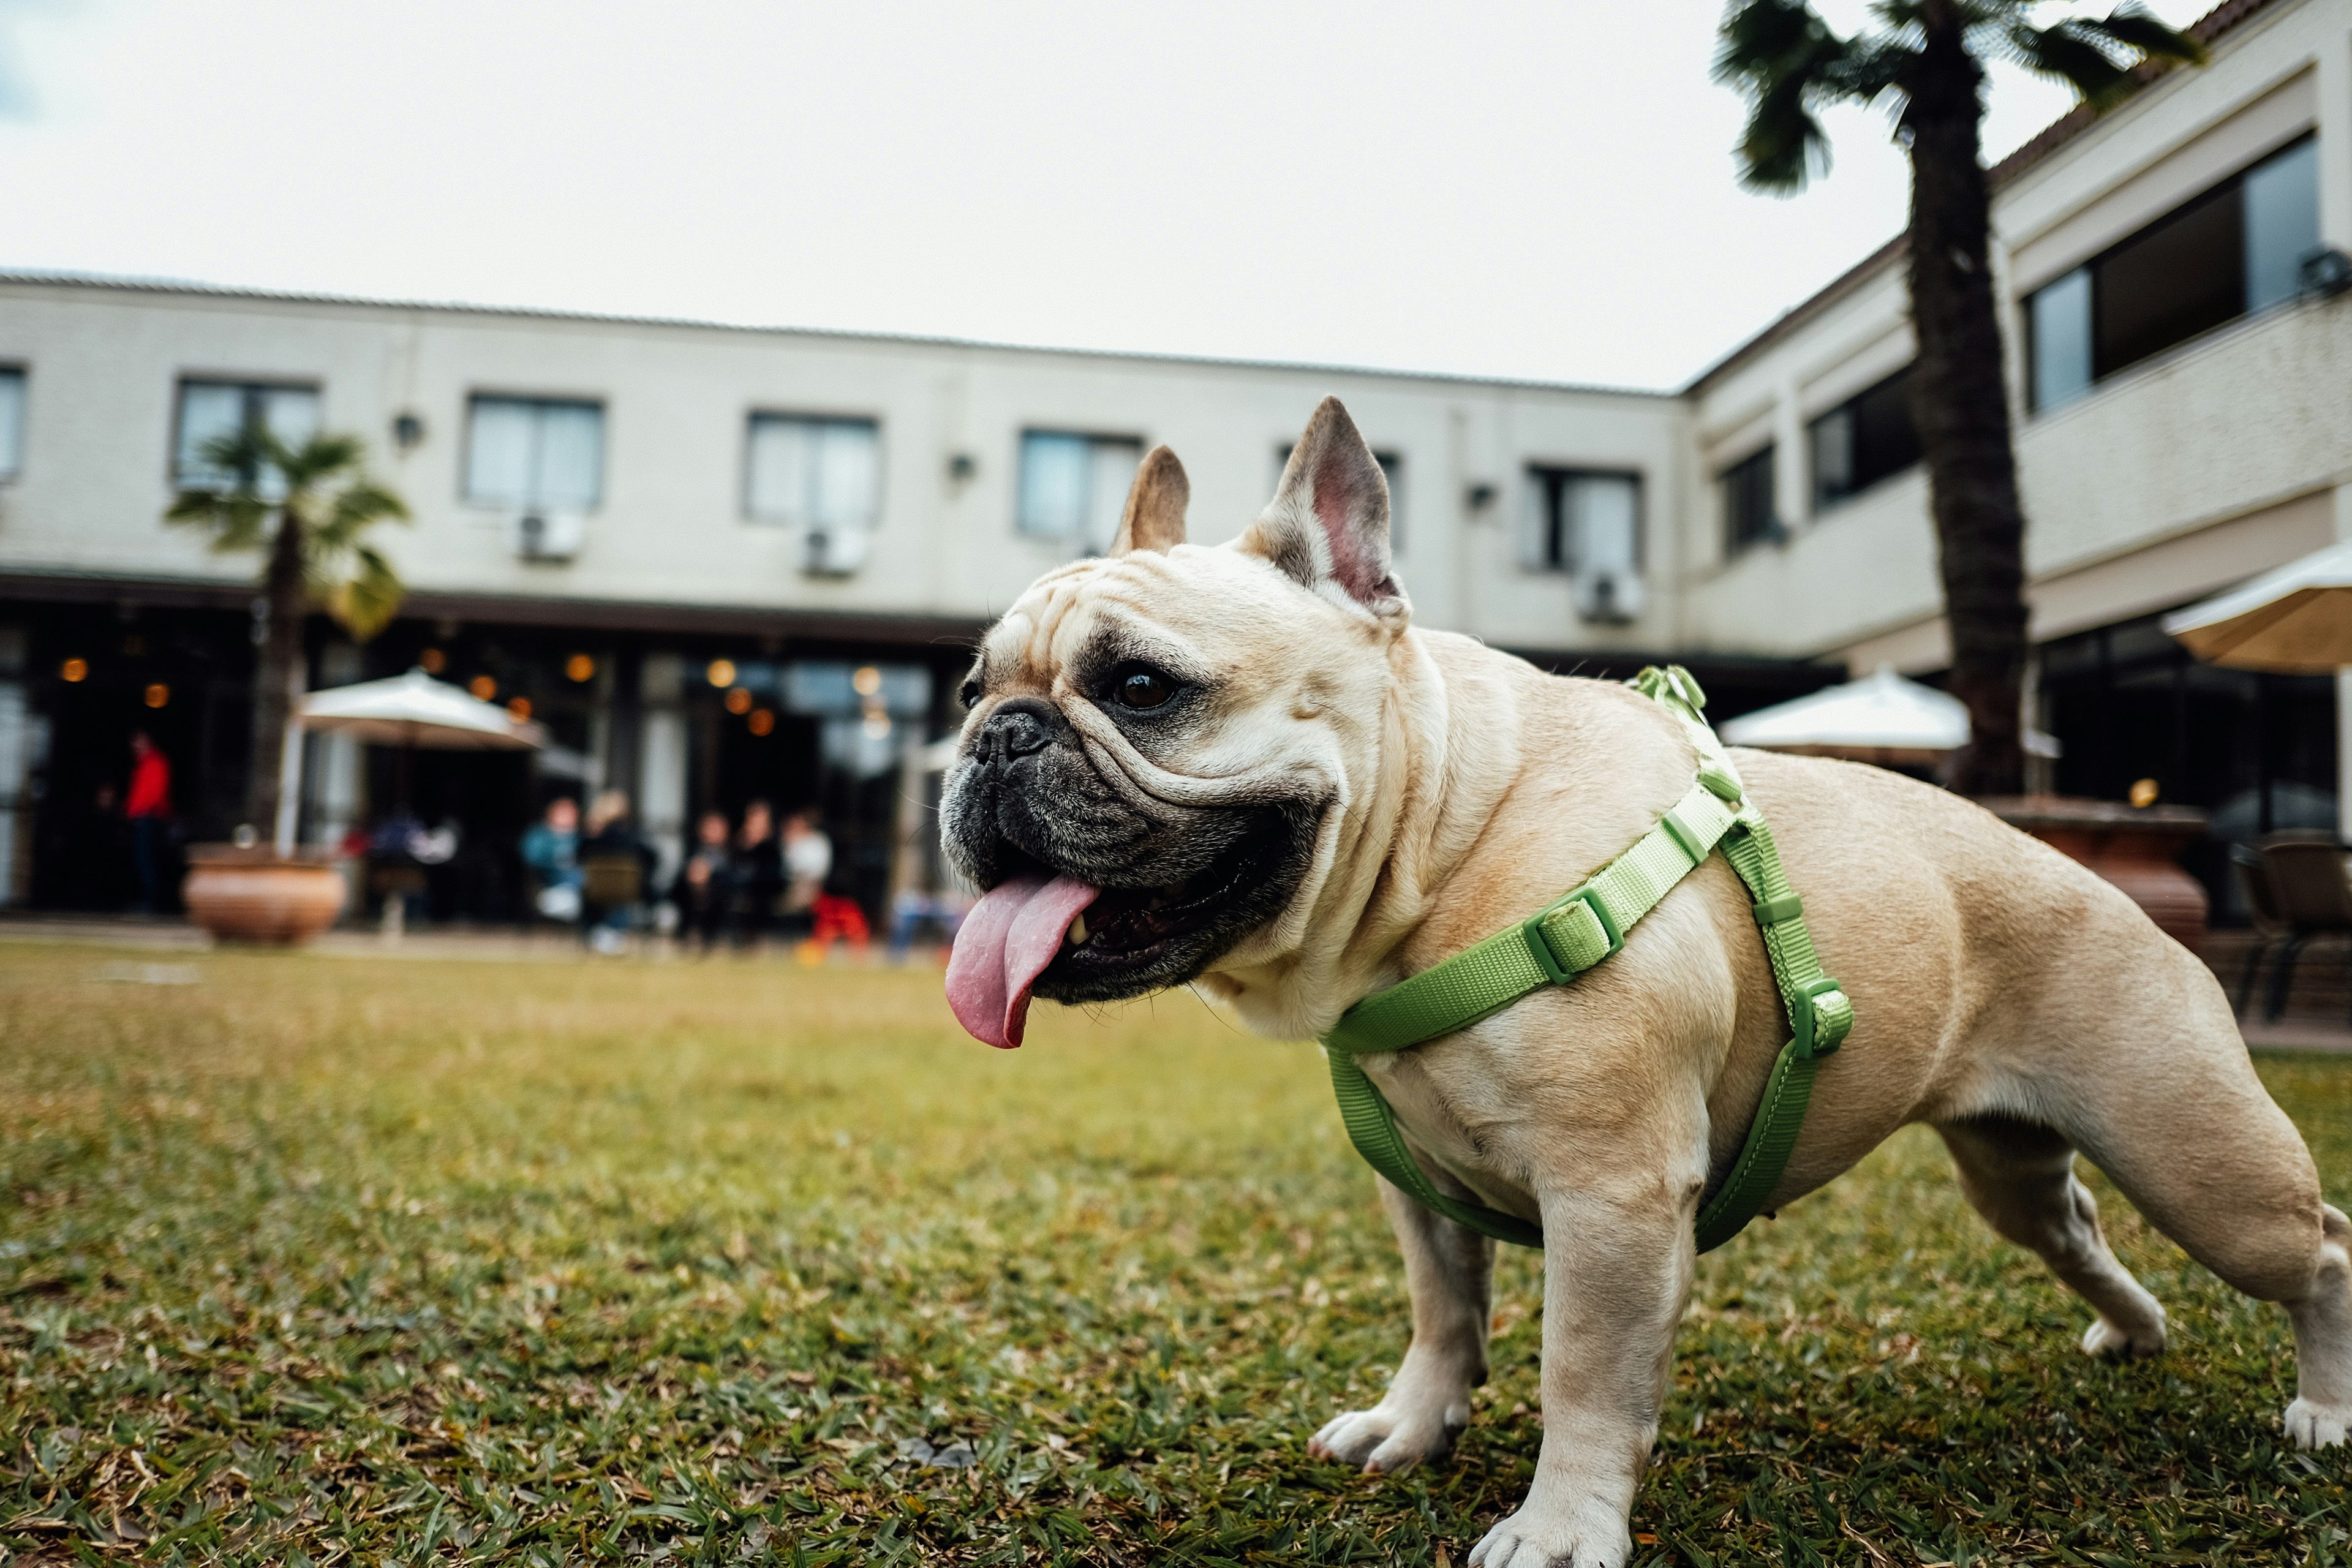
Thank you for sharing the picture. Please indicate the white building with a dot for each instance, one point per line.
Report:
(678, 541)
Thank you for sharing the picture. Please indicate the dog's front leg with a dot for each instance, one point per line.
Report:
(1617, 1267)
(1450, 1273)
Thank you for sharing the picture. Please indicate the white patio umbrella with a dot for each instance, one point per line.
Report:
(1881, 718)
(415, 709)
(2296, 620)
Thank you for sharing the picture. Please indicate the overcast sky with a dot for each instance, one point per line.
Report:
(1540, 190)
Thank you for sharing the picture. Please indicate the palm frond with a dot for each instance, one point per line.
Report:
(2069, 54)
(2137, 29)
(1788, 62)
(322, 457)
(243, 455)
(2096, 55)
(365, 600)
(355, 508)
(1871, 69)
(238, 519)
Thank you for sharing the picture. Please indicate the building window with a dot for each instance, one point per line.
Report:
(2058, 327)
(823, 476)
(1391, 469)
(12, 421)
(814, 473)
(1867, 439)
(2236, 249)
(1073, 488)
(212, 409)
(1750, 515)
(535, 453)
(1589, 525)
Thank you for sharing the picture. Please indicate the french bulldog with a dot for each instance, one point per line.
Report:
(1243, 768)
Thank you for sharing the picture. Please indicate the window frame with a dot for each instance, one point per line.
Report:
(1551, 481)
(752, 418)
(2090, 268)
(1095, 439)
(1776, 529)
(24, 375)
(1823, 502)
(248, 388)
(476, 396)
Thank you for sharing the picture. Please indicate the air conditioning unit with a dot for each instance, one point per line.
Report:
(1613, 594)
(833, 550)
(549, 535)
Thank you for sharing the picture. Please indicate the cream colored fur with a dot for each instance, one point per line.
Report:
(2002, 994)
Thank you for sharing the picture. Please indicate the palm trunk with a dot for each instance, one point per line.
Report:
(1960, 404)
(281, 645)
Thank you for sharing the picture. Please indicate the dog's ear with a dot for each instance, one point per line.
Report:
(1154, 519)
(1329, 520)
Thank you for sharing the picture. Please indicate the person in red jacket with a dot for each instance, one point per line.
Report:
(148, 808)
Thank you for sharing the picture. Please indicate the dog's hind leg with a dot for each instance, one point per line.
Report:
(2020, 1177)
(2153, 1084)
(1450, 1273)
(2242, 1198)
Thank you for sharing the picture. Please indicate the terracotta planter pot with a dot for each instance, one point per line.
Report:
(2135, 847)
(253, 895)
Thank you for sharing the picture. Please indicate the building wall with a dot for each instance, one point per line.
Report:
(2251, 418)
(103, 363)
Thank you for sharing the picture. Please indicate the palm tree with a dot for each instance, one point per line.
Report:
(308, 507)
(1924, 59)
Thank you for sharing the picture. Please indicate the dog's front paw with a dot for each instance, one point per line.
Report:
(1390, 1437)
(2113, 1340)
(1591, 1536)
(2312, 1426)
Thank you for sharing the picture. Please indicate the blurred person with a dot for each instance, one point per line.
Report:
(832, 917)
(551, 850)
(617, 865)
(147, 810)
(759, 871)
(705, 891)
(808, 861)
(911, 910)
(399, 850)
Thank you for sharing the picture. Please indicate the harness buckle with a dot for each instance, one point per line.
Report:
(1820, 1015)
(1539, 940)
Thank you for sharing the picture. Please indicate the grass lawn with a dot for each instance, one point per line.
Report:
(317, 1259)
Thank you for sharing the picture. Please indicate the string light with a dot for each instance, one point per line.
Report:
(721, 673)
(74, 669)
(158, 694)
(738, 701)
(518, 710)
(579, 667)
(483, 687)
(432, 661)
(764, 722)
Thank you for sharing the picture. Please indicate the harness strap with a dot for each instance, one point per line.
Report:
(1556, 943)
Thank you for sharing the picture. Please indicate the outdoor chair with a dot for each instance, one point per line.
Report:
(612, 881)
(2312, 894)
(2261, 908)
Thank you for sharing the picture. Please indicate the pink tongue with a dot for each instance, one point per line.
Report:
(1006, 941)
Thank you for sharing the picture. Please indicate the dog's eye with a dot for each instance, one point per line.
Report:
(970, 695)
(1140, 687)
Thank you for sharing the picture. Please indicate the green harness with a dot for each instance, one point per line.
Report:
(1556, 944)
